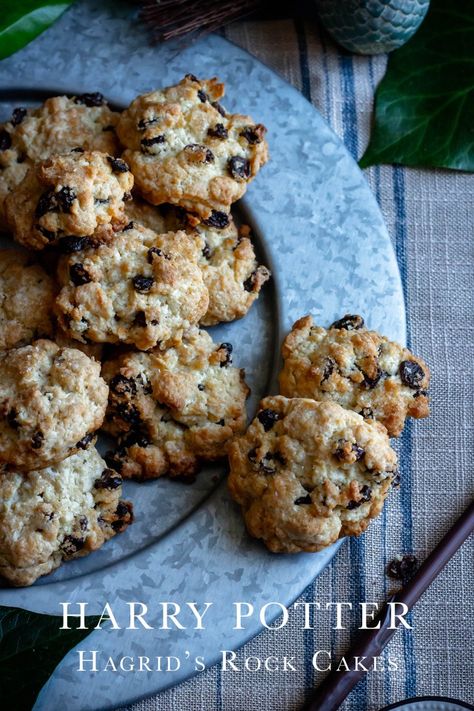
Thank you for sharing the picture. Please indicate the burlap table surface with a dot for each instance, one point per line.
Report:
(429, 214)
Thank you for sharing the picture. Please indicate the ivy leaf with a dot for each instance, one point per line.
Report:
(23, 20)
(31, 647)
(424, 105)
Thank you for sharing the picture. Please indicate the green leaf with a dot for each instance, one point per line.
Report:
(424, 105)
(23, 20)
(31, 647)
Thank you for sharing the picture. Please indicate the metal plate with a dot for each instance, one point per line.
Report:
(320, 231)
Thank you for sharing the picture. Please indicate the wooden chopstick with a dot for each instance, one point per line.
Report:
(369, 643)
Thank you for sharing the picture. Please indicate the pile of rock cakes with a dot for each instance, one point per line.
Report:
(128, 249)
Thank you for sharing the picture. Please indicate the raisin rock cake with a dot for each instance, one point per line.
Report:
(307, 473)
(173, 409)
(184, 149)
(58, 513)
(52, 401)
(358, 368)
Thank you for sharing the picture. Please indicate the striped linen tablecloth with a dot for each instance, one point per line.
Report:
(429, 214)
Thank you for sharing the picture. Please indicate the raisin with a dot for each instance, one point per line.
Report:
(145, 123)
(18, 115)
(109, 479)
(219, 108)
(411, 373)
(147, 386)
(159, 253)
(217, 219)
(124, 512)
(202, 96)
(46, 203)
(349, 322)
(50, 236)
(127, 196)
(5, 140)
(85, 441)
(124, 508)
(366, 495)
(227, 348)
(71, 244)
(11, 418)
(271, 456)
(83, 523)
(367, 413)
(206, 252)
(402, 567)
(253, 134)
(208, 155)
(148, 142)
(94, 99)
(118, 165)
(370, 382)
(249, 284)
(252, 455)
(359, 452)
(140, 319)
(191, 77)
(122, 385)
(101, 201)
(65, 197)
(201, 387)
(79, 274)
(420, 393)
(37, 440)
(278, 457)
(343, 453)
(303, 500)
(219, 131)
(135, 438)
(113, 461)
(130, 226)
(329, 367)
(129, 413)
(71, 544)
(142, 283)
(268, 418)
(239, 168)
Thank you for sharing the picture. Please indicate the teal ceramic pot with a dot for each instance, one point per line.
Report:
(372, 26)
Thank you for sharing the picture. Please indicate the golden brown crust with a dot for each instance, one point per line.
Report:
(227, 259)
(62, 123)
(307, 473)
(141, 289)
(359, 369)
(183, 150)
(230, 271)
(56, 514)
(26, 298)
(173, 409)
(69, 195)
(58, 126)
(50, 399)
